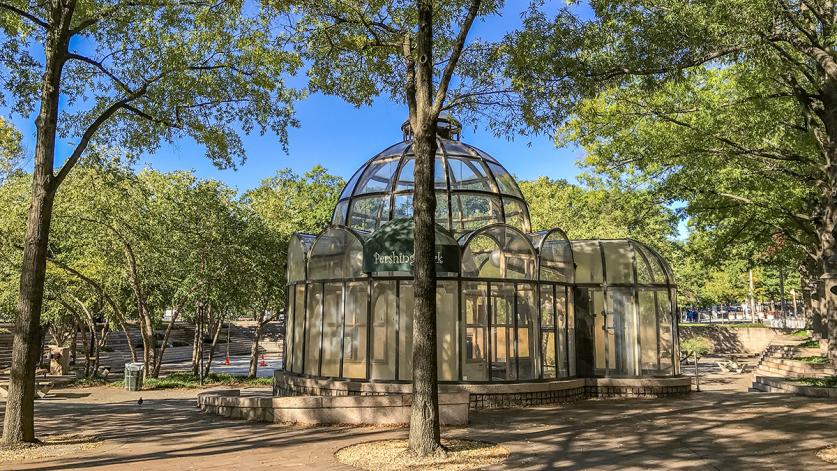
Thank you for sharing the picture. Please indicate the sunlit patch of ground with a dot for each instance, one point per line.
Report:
(394, 455)
(828, 454)
(50, 446)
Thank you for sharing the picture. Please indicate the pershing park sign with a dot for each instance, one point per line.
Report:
(390, 249)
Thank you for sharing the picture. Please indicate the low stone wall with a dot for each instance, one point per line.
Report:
(782, 386)
(366, 410)
(727, 340)
(493, 395)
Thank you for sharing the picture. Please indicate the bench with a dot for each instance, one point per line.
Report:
(731, 366)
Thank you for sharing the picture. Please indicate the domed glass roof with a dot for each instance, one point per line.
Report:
(472, 190)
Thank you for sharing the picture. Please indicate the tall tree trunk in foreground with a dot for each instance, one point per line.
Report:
(424, 417)
(827, 223)
(19, 422)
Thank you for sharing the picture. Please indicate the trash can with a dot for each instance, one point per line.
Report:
(133, 376)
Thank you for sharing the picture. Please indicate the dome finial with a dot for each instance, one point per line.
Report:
(447, 127)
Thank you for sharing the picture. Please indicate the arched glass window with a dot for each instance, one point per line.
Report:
(498, 251)
(298, 255)
(556, 256)
(619, 264)
(336, 254)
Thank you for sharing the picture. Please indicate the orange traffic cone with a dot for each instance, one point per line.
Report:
(227, 360)
(263, 363)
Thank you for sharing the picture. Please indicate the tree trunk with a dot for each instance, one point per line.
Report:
(129, 340)
(159, 359)
(254, 348)
(211, 354)
(424, 417)
(19, 421)
(86, 345)
(827, 221)
(197, 348)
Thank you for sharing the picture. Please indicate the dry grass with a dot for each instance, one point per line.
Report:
(828, 454)
(50, 446)
(394, 455)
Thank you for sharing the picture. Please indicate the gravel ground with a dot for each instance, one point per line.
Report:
(393, 455)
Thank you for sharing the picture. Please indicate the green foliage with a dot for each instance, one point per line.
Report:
(182, 380)
(828, 382)
(809, 344)
(801, 333)
(813, 360)
(696, 347)
(11, 151)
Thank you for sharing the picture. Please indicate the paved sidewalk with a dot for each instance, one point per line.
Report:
(719, 429)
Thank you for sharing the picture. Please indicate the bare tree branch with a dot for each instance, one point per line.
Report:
(17, 11)
(444, 82)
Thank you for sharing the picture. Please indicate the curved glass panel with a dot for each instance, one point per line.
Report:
(504, 180)
(378, 176)
(516, 214)
(556, 258)
(339, 216)
(618, 261)
(657, 273)
(337, 254)
(588, 261)
(297, 251)
(499, 252)
(473, 211)
(470, 179)
(468, 174)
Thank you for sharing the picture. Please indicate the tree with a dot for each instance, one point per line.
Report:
(156, 70)
(731, 104)
(281, 205)
(11, 151)
(364, 49)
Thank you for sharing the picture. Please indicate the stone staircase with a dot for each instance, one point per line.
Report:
(777, 364)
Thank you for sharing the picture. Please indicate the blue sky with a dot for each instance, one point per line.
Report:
(341, 137)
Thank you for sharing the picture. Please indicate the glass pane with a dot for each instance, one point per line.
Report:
(354, 333)
(349, 188)
(368, 212)
(378, 176)
(618, 261)
(588, 261)
(383, 330)
(296, 260)
(504, 180)
(468, 174)
(571, 357)
(332, 325)
(469, 212)
(439, 173)
(339, 216)
(296, 351)
(648, 332)
(475, 307)
(447, 308)
(622, 332)
(498, 252)
(556, 259)
(406, 304)
(548, 349)
(643, 268)
(656, 269)
(404, 208)
(666, 344)
(406, 179)
(502, 332)
(528, 363)
(561, 315)
(313, 328)
(516, 215)
(337, 254)
(597, 310)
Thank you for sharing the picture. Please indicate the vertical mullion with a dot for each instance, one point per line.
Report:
(304, 328)
(490, 306)
(460, 330)
(514, 312)
(397, 328)
(343, 328)
(322, 328)
(369, 329)
(539, 332)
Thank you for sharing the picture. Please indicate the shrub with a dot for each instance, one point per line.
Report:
(695, 347)
(809, 344)
(829, 382)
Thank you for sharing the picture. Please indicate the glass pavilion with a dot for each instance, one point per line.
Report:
(520, 307)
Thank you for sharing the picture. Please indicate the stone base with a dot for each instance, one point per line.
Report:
(493, 395)
(314, 410)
